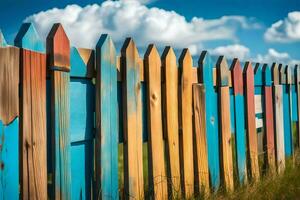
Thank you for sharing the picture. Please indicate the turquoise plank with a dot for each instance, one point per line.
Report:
(108, 122)
(9, 160)
(82, 101)
(286, 122)
(82, 169)
(232, 118)
(78, 67)
(240, 136)
(294, 104)
(28, 38)
(206, 66)
(258, 75)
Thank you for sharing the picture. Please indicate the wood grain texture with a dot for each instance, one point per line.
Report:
(9, 84)
(157, 178)
(225, 132)
(250, 121)
(133, 161)
(279, 128)
(58, 61)
(186, 136)
(58, 46)
(170, 113)
(106, 120)
(201, 157)
(205, 76)
(33, 125)
(239, 114)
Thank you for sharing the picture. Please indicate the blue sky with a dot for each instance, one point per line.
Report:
(260, 30)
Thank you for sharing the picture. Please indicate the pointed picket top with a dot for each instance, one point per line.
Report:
(152, 53)
(58, 48)
(168, 54)
(105, 46)
(206, 66)
(248, 70)
(88, 57)
(275, 73)
(185, 58)
(289, 75)
(282, 74)
(237, 77)
(222, 72)
(258, 77)
(266, 73)
(2, 40)
(79, 68)
(28, 38)
(129, 49)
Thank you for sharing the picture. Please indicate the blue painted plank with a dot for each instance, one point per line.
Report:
(79, 68)
(28, 38)
(232, 118)
(294, 103)
(106, 120)
(206, 65)
(286, 121)
(2, 40)
(9, 160)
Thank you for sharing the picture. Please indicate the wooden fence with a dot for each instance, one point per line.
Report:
(89, 124)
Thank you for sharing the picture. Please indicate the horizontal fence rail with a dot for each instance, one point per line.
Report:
(91, 124)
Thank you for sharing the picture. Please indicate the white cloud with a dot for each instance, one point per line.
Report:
(121, 19)
(232, 51)
(286, 30)
(275, 56)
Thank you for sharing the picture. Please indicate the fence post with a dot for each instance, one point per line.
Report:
(133, 159)
(186, 135)
(33, 135)
(170, 110)
(269, 145)
(225, 132)
(239, 113)
(250, 121)
(205, 76)
(278, 111)
(289, 82)
(106, 120)
(9, 121)
(157, 178)
(58, 62)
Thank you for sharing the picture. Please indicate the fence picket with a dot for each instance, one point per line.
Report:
(133, 160)
(58, 60)
(250, 121)
(170, 111)
(186, 135)
(157, 178)
(106, 120)
(297, 85)
(239, 113)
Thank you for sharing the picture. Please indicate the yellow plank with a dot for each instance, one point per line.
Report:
(170, 113)
(157, 178)
(200, 138)
(186, 136)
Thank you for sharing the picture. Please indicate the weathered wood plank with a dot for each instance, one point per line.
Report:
(186, 136)
(205, 76)
(133, 162)
(288, 72)
(157, 178)
(88, 57)
(82, 62)
(33, 125)
(58, 60)
(250, 121)
(225, 132)
(297, 84)
(278, 111)
(201, 157)
(269, 145)
(57, 40)
(106, 120)
(239, 114)
(9, 84)
(170, 111)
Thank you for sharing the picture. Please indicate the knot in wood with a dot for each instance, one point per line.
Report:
(154, 98)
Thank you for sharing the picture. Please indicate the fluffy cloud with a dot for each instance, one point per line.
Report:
(232, 51)
(275, 56)
(287, 30)
(121, 19)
